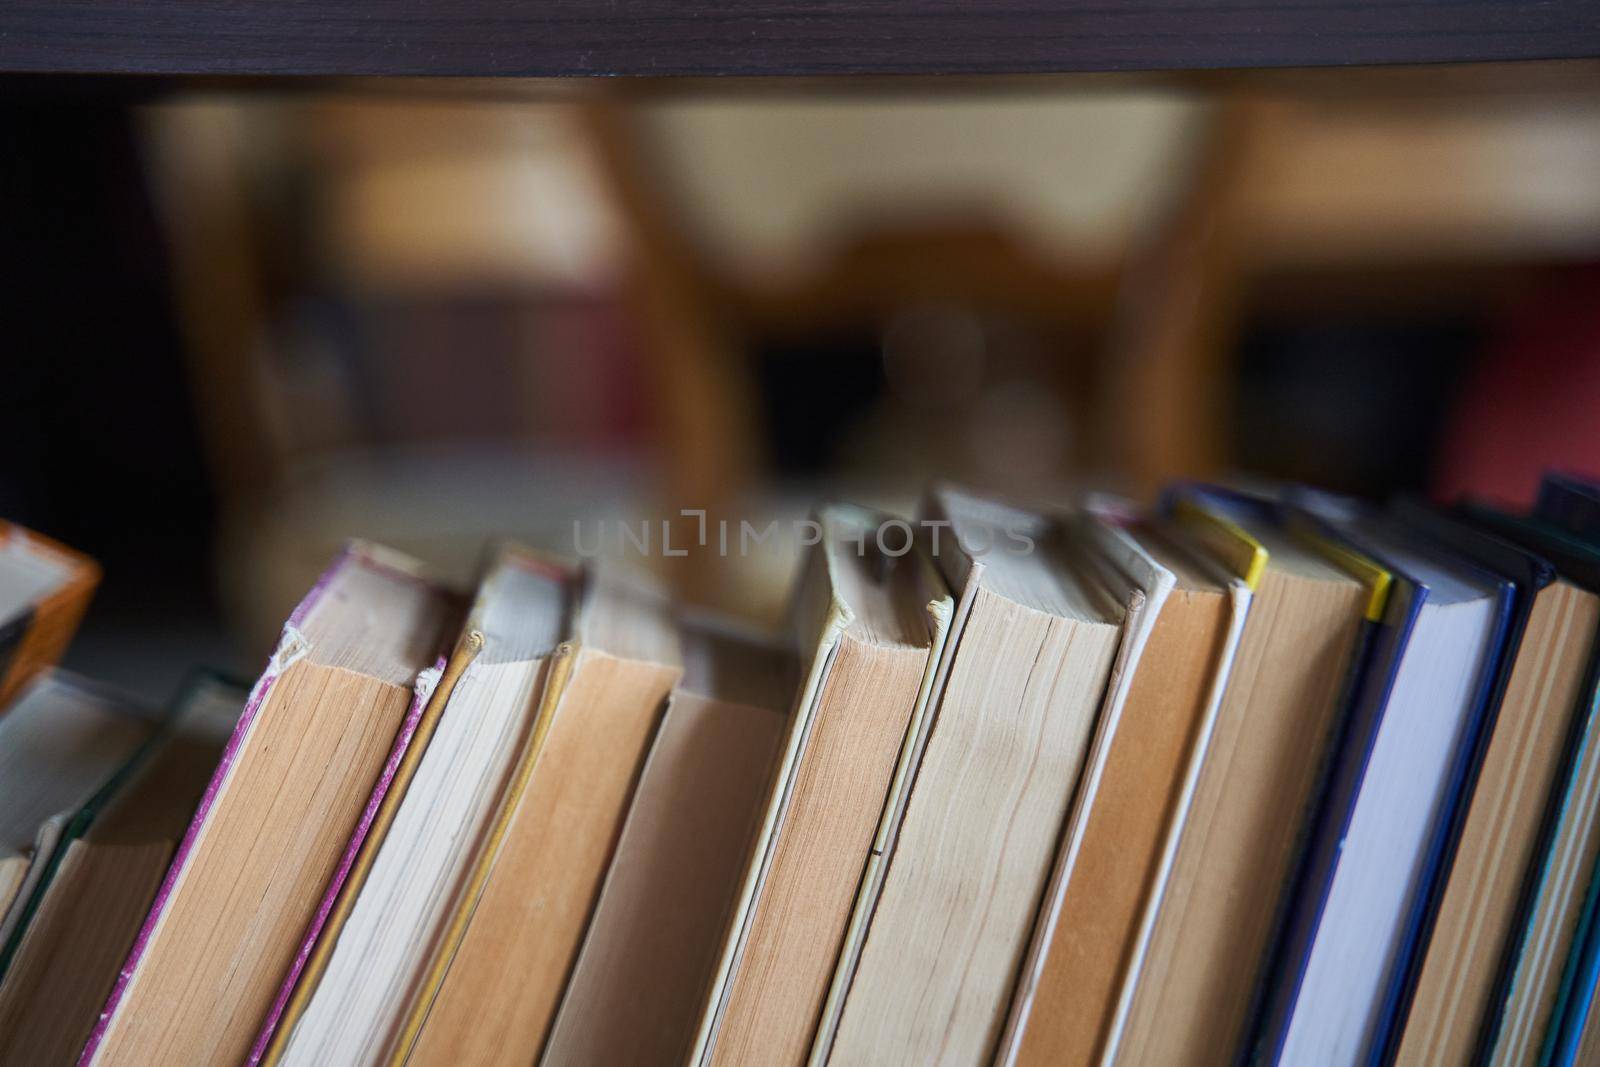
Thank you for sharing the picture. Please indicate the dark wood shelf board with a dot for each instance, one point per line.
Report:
(561, 38)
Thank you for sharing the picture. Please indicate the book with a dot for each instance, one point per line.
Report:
(283, 816)
(1525, 575)
(496, 974)
(352, 1000)
(1419, 710)
(1445, 1001)
(329, 921)
(45, 588)
(1022, 678)
(1241, 560)
(1172, 671)
(1545, 929)
(872, 622)
(651, 948)
(1256, 787)
(1247, 779)
(1570, 503)
(63, 745)
(64, 961)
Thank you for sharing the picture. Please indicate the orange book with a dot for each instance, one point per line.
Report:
(44, 590)
(1188, 1000)
(1173, 668)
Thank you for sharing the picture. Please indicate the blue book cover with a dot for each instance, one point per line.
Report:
(1369, 660)
(1331, 823)
(1525, 574)
(1339, 520)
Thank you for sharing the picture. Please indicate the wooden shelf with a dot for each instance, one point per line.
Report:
(771, 37)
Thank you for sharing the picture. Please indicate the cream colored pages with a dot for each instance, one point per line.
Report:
(1146, 585)
(64, 739)
(944, 614)
(361, 997)
(271, 829)
(504, 983)
(498, 995)
(817, 612)
(963, 575)
(974, 851)
(791, 943)
(653, 941)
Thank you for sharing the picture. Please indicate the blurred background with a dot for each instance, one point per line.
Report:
(243, 323)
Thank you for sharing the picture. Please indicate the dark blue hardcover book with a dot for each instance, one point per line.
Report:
(1525, 574)
(1287, 972)
(1292, 522)
(1351, 986)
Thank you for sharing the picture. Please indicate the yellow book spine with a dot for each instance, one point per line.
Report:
(1232, 544)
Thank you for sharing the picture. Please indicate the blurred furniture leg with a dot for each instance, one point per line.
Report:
(197, 158)
(705, 403)
(1167, 361)
(200, 182)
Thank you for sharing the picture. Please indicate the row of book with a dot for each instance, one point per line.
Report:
(1279, 778)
